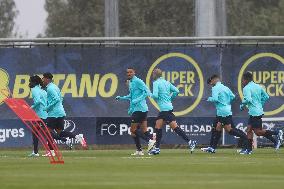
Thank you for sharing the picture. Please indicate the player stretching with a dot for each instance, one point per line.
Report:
(222, 97)
(254, 99)
(39, 106)
(138, 92)
(164, 93)
(56, 112)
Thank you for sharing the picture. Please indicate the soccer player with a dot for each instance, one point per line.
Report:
(138, 109)
(164, 93)
(222, 97)
(254, 99)
(56, 112)
(39, 105)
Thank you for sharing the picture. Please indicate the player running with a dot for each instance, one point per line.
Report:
(254, 99)
(164, 93)
(39, 105)
(138, 109)
(56, 112)
(222, 97)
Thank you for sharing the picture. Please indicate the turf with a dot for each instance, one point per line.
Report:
(171, 169)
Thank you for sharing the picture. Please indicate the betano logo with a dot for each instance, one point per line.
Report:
(184, 78)
(4, 89)
(271, 80)
(85, 85)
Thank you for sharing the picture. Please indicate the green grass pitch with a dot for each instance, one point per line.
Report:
(172, 169)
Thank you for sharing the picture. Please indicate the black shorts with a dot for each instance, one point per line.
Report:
(255, 122)
(138, 117)
(167, 116)
(224, 120)
(55, 123)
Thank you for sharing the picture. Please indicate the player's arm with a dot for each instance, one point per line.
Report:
(145, 92)
(247, 98)
(36, 98)
(155, 94)
(174, 91)
(55, 98)
(126, 97)
(215, 96)
(264, 96)
(232, 96)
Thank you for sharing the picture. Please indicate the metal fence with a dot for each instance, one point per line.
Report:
(218, 40)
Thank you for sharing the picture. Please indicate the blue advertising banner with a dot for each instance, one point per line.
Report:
(91, 77)
(112, 130)
(14, 133)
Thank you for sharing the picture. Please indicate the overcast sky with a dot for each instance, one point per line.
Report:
(31, 17)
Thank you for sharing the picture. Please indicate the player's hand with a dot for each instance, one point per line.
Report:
(242, 107)
(209, 99)
(117, 98)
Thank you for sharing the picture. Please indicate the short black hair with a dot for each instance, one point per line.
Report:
(247, 76)
(48, 75)
(211, 78)
(131, 68)
(35, 80)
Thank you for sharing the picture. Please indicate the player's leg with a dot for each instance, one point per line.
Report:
(144, 129)
(35, 146)
(229, 128)
(67, 134)
(141, 118)
(238, 133)
(135, 121)
(269, 135)
(133, 129)
(51, 125)
(147, 136)
(182, 134)
(171, 119)
(215, 137)
(250, 138)
(256, 123)
(159, 134)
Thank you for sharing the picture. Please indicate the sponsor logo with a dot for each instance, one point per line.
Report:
(268, 71)
(184, 72)
(111, 129)
(11, 133)
(4, 89)
(265, 125)
(69, 125)
(194, 129)
(85, 85)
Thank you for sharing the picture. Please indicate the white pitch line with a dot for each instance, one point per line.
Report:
(83, 157)
(136, 157)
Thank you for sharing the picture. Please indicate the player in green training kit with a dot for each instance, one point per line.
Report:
(56, 112)
(39, 105)
(138, 92)
(254, 99)
(222, 97)
(164, 93)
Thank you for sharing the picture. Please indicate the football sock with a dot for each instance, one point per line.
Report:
(242, 135)
(137, 143)
(142, 135)
(159, 134)
(268, 134)
(35, 143)
(181, 133)
(216, 138)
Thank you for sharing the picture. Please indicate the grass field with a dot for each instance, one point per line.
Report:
(171, 169)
